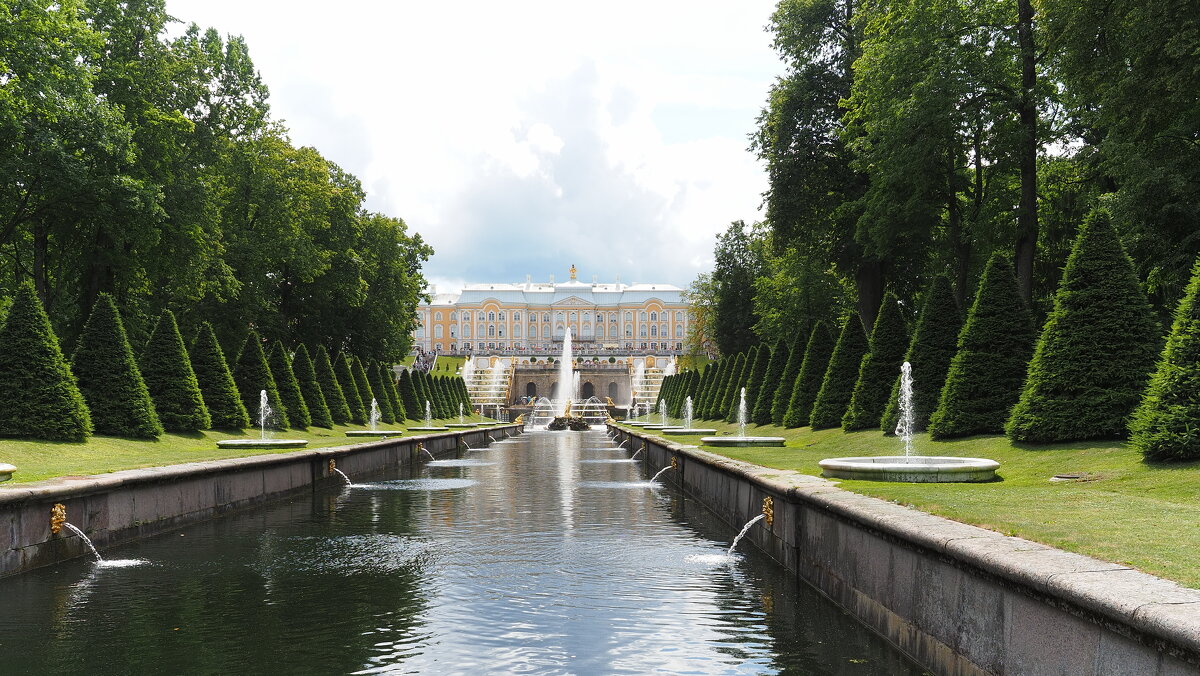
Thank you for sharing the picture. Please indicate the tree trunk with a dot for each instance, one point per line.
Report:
(869, 280)
(959, 244)
(1027, 216)
(41, 282)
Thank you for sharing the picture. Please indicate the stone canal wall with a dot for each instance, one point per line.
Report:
(957, 598)
(120, 506)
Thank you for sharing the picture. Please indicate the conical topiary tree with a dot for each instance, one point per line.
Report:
(837, 385)
(762, 358)
(310, 388)
(167, 372)
(343, 368)
(712, 375)
(733, 380)
(331, 389)
(783, 394)
(765, 397)
(217, 387)
(253, 376)
(878, 368)
(109, 378)
(933, 345)
(421, 384)
(1164, 425)
(364, 386)
(408, 395)
(988, 369)
(1096, 351)
(389, 386)
(289, 388)
(813, 365)
(39, 397)
(376, 383)
(466, 396)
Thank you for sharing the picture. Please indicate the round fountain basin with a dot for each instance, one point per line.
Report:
(653, 426)
(914, 469)
(688, 431)
(428, 429)
(635, 423)
(262, 443)
(461, 425)
(6, 471)
(742, 441)
(374, 433)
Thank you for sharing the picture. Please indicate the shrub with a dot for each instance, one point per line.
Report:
(253, 376)
(733, 377)
(810, 376)
(343, 368)
(878, 368)
(365, 391)
(612, 360)
(217, 386)
(408, 394)
(769, 384)
(289, 388)
(712, 375)
(934, 342)
(331, 389)
(385, 404)
(109, 378)
(837, 384)
(754, 377)
(783, 394)
(386, 375)
(39, 397)
(1164, 426)
(310, 388)
(167, 372)
(988, 368)
(1096, 351)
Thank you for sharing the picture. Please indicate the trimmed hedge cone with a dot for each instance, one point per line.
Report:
(310, 389)
(842, 373)
(253, 375)
(879, 366)
(167, 371)
(40, 398)
(289, 388)
(364, 388)
(769, 384)
(988, 370)
(1164, 426)
(933, 345)
(335, 399)
(343, 369)
(217, 387)
(385, 403)
(810, 374)
(783, 395)
(408, 395)
(389, 386)
(109, 377)
(1096, 351)
(762, 357)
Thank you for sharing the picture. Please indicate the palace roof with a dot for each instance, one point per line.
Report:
(564, 293)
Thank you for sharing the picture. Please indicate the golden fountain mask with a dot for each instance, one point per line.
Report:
(58, 516)
(768, 510)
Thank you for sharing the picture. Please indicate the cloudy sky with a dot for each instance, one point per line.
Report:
(520, 137)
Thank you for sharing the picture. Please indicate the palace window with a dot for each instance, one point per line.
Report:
(642, 331)
(453, 333)
(437, 331)
(516, 316)
(517, 331)
(679, 330)
(481, 316)
(642, 316)
(437, 316)
(628, 316)
(482, 329)
(653, 331)
(653, 316)
(453, 318)
(679, 315)
(467, 331)
(491, 316)
(500, 331)
(501, 316)
(629, 330)
(560, 330)
(574, 317)
(545, 316)
(491, 330)
(533, 330)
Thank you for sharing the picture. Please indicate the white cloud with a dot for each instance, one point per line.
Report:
(522, 137)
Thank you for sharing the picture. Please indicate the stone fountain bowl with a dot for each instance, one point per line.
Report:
(461, 425)
(742, 441)
(911, 469)
(652, 426)
(6, 471)
(374, 433)
(262, 443)
(688, 431)
(635, 423)
(429, 428)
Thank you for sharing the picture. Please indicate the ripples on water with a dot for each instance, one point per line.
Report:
(532, 560)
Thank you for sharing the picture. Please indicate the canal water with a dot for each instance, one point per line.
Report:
(545, 554)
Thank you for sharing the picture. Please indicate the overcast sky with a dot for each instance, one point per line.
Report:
(521, 137)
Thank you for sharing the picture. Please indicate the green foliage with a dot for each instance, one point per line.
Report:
(408, 394)
(109, 378)
(754, 378)
(733, 377)
(769, 383)
(386, 413)
(289, 388)
(1164, 426)
(738, 263)
(713, 375)
(787, 378)
(331, 389)
(365, 391)
(1096, 350)
(878, 368)
(988, 369)
(387, 378)
(253, 376)
(343, 368)
(310, 388)
(811, 374)
(39, 398)
(934, 342)
(837, 385)
(217, 386)
(172, 383)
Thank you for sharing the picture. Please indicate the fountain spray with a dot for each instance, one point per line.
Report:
(742, 415)
(264, 413)
(904, 426)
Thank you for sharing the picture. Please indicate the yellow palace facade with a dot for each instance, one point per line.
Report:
(533, 317)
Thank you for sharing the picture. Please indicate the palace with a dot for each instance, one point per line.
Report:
(533, 318)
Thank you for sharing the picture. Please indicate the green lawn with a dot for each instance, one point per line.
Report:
(1145, 515)
(36, 460)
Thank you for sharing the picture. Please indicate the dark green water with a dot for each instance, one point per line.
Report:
(540, 562)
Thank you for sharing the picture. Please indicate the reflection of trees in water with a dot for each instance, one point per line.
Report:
(808, 633)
